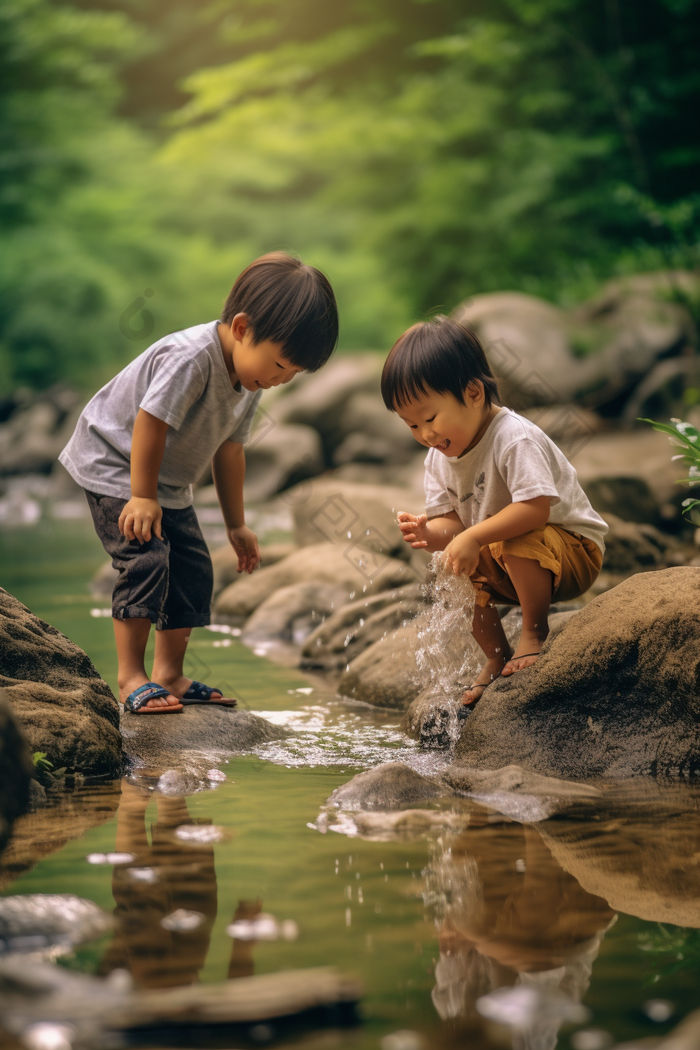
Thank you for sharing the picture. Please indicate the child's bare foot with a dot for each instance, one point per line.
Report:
(489, 673)
(526, 653)
(130, 684)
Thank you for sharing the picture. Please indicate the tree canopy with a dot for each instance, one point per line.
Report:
(419, 151)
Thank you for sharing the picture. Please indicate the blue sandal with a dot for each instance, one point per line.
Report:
(198, 693)
(136, 702)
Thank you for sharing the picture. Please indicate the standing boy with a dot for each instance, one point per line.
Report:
(149, 434)
(502, 500)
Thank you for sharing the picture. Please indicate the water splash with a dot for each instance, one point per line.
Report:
(446, 654)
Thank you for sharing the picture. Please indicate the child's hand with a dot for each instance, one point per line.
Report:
(462, 554)
(414, 528)
(245, 543)
(140, 518)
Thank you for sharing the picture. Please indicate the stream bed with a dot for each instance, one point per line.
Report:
(430, 922)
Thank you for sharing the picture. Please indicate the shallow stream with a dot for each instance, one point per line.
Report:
(606, 909)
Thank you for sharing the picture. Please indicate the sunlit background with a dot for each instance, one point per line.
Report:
(419, 152)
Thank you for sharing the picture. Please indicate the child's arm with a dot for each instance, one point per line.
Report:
(430, 535)
(142, 515)
(514, 520)
(228, 469)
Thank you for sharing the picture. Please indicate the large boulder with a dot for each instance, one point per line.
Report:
(385, 675)
(16, 769)
(373, 434)
(615, 694)
(59, 700)
(357, 625)
(278, 456)
(290, 614)
(37, 430)
(225, 562)
(354, 514)
(392, 785)
(355, 571)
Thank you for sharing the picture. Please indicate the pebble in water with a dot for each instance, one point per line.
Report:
(659, 1010)
(263, 927)
(216, 774)
(591, 1039)
(520, 1007)
(199, 834)
(47, 1036)
(110, 858)
(182, 920)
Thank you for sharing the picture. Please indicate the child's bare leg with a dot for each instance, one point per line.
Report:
(131, 636)
(533, 585)
(490, 637)
(168, 661)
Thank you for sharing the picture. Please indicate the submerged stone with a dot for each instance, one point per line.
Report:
(47, 924)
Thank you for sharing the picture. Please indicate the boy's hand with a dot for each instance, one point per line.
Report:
(462, 554)
(414, 528)
(245, 543)
(140, 518)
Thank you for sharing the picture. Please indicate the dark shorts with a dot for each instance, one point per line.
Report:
(168, 581)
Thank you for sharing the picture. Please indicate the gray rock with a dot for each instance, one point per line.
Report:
(630, 499)
(520, 793)
(102, 583)
(291, 613)
(615, 694)
(225, 562)
(392, 785)
(642, 453)
(279, 457)
(372, 434)
(630, 547)
(356, 515)
(164, 742)
(57, 697)
(353, 570)
(47, 923)
(384, 675)
(359, 624)
(16, 769)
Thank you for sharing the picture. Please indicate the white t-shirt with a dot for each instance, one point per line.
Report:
(181, 379)
(512, 462)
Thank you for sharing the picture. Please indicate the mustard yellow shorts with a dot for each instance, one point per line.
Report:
(574, 560)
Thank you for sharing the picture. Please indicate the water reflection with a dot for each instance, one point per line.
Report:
(509, 915)
(166, 897)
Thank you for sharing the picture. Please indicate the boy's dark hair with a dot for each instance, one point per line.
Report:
(290, 303)
(440, 355)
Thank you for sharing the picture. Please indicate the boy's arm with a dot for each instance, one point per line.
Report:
(142, 514)
(228, 470)
(514, 520)
(432, 534)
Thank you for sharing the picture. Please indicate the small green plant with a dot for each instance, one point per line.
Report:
(687, 438)
(46, 774)
(41, 762)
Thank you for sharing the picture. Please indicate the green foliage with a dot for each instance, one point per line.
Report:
(687, 438)
(418, 152)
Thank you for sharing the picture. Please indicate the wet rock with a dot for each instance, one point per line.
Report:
(355, 515)
(291, 613)
(102, 583)
(37, 430)
(62, 818)
(629, 499)
(279, 456)
(59, 700)
(407, 824)
(225, 562)
(392, 785)
(16, 770)
(172, 741)
(359, 624)
(43, 924)
(384, 675)
(614, 694)
(642, 453)
(519, 793)
(349, 570)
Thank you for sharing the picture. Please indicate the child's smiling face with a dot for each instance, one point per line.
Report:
(442, 422)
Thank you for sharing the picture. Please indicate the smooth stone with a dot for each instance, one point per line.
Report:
(167, 741)
(280, 455)
(39, 922)
(291, 613)
(615, 694)
(392, 785)
(225, 562)
(385, 674)
(61, 704)
(16, 769)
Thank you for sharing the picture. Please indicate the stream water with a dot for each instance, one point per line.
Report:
(605, 909)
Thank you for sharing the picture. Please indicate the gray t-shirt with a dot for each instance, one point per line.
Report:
(512, 462)
(181, 379)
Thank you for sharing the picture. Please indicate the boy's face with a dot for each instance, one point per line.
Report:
(442, 422)
(258, 366)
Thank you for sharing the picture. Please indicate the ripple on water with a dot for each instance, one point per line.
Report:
(331, 735)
